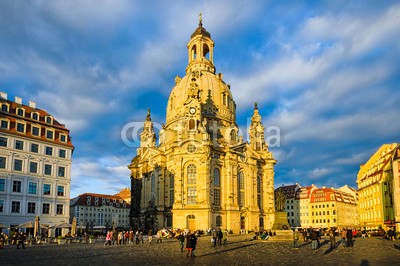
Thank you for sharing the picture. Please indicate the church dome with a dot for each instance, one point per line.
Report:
(211, 91)
(211, 87)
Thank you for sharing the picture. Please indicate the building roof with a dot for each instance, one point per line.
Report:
(376, 163)
(289, 191)
(304, 192)
(321, 195)
(13, 117)
(90, 199)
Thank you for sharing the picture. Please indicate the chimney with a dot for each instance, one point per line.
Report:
(18, 100)
(3, 95)
(323, 187)
(32, 104)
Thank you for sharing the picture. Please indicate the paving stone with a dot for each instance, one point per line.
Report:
(240, 250)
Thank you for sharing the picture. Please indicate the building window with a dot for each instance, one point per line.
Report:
(33, 167)
(4, 107)
(60, 191)
(241, 197)
(35, 131)
(31, 207)
(171, 197)
(17, 165)
(217, 189)
(153, 186)
(47, 169)
(2, 162)
(48, 119)
(3, 142)
(63, 138)
(17, 186)
(20, 128)
(192, 195)
(4, 124)
(61, 171)
(32, 187)
(259, 199)
(49, 134)
(20, 112)
(1, 205)
(49, 151)
(35, 116)
(15, 206)
(60, 208)
(2, 184)
(218, 220)
(19, 145)
(61, 153)
(192, 174)
(34, 148)
(46, 189)
(46, 208)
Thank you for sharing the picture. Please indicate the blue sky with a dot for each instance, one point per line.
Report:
(325, 72)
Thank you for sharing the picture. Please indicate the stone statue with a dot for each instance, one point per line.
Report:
(280, 201)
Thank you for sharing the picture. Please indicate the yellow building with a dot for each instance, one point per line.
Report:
(375, 189)
(202, 174)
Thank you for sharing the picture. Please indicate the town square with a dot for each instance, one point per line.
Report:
(199, 132)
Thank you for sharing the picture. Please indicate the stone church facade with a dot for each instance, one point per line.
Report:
(202, 174)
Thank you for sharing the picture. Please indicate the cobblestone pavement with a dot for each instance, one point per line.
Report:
(240, 250)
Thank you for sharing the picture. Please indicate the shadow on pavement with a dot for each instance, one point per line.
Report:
(225, 250)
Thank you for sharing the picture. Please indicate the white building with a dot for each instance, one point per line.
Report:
(35, 165)
(100, 211)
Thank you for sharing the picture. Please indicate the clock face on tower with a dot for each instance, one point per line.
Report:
(192, 110)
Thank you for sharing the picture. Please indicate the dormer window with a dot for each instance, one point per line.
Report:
(63, 138)
(20, 112)
(35, 116)
(4, 107)
(49, 120)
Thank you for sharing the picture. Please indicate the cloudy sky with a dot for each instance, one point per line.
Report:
(326, 73)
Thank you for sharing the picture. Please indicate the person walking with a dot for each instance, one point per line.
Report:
(225, 237)
(349, 237)
(21, 239)
(150, 234)
(314, 239)
(141, 237)
(159, 236)
(296, 237)
(181, 239)
(343, 233)
(214, 237)
(108, 238)
(219, 236)
(363, 233)
(189, 245)
(193, 239)
(332, 238)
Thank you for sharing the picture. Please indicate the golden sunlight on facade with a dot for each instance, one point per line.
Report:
(202, 174)
(378, 189)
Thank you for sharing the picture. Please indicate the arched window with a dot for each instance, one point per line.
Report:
(192, 180)
(217, 189)
(194, 52)
(233, 135)
(192, 174)
(218, 220)
(241, 198)
(206, 51)
(153, 186)
(217, 177)
(259, 198)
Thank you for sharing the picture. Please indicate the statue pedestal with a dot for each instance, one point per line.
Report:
(281, 222)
